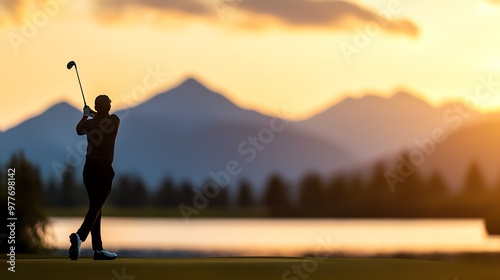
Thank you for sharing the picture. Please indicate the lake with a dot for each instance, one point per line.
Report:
(292, 237)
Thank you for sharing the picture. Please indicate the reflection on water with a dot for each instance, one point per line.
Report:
(286, 236)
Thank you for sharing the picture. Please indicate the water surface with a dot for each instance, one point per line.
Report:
(286, 236)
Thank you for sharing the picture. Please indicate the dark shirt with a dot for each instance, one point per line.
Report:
(101, 134)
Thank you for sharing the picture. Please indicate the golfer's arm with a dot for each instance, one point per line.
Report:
(116, 120)
(80, 127)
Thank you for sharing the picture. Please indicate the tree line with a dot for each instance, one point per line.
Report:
(340, 196)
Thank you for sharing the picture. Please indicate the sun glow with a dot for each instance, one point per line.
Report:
(260, 63)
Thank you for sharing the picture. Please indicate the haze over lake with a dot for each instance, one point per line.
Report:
(291, 237)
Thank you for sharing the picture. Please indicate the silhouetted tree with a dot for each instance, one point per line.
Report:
(167, 195)
(474, 181)
(221, 200)
(496, 185)
(492, 216)
(379, 193)
(51, 194)
(129, 192)
(312, 196)
(245, 197)
(121, 192)
(474, 191)
(494, 194)
(437, 198)
(68, 189)
(186, 193)
(337, 196)
(409, 198)
(276, 197)
(437, 185)
(140, 192)
(32, 222)
(358, 197)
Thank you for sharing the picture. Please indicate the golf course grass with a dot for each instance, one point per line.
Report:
(253, 268)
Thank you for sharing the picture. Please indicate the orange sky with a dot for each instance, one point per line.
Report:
(262, 54)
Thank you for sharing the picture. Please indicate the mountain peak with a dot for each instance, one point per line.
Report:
(405, 95)
(192, 84)
(192, 100)
(63, 105)
(398, 96)
(60, 109)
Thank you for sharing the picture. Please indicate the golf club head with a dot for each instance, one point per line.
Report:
(71, 64)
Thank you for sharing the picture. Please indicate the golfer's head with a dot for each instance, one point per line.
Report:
(102, 104)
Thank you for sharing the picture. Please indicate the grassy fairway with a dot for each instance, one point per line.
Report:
(253, 268)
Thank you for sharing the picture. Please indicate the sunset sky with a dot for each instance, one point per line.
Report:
(261, 54)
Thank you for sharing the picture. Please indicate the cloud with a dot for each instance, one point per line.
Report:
(327, 14)
(113, 10)
(338, 15)
(11, 11)
(256, 14)
(185, 6)
(18, 12)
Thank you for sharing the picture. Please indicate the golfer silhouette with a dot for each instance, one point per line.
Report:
(101, 130)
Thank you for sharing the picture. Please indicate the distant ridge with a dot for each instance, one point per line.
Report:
(190, 132)
(477, 143)
(374, 126)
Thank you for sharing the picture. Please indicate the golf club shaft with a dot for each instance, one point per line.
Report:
(83, 95)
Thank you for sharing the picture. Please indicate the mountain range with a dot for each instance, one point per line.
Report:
(193, 133)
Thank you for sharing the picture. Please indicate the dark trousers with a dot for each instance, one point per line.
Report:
(97, 177)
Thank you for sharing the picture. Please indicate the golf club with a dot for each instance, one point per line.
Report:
(69, 66)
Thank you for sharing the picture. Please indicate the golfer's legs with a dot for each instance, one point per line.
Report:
(96, 233)
(97, 179)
